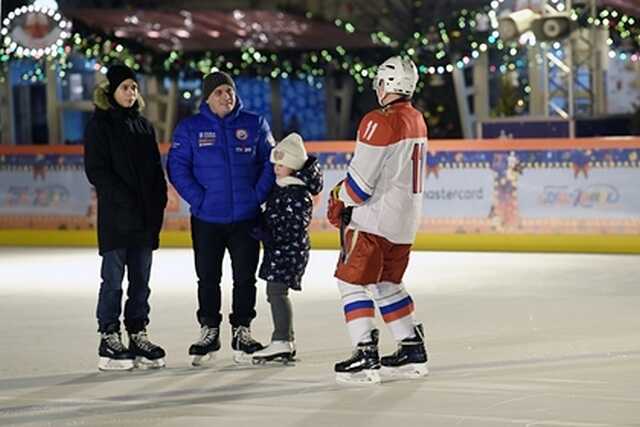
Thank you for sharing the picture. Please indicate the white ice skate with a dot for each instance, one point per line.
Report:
(283, 352)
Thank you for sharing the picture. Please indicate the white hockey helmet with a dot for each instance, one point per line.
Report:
(398, 75)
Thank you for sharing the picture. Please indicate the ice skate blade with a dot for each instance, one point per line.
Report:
(242, 358)
(281, 358)
(365, 377)
(107, 364)
(144, 363)
(411, 371)
(202, 360)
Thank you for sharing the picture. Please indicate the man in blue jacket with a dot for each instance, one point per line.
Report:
(219, 164)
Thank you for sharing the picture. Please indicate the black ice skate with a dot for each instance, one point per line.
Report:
(363, 366)
(277, 351)
(204, 349)
(147, 354)
(243, 344)
(410, 360)
(114, 356)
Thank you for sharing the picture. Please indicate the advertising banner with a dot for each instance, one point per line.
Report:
(470, 187)
(611, 193)
(57, 192)
(459, 193)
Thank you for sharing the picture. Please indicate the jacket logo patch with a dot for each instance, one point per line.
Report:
(244, 149)
(206, 139)
(242, 134)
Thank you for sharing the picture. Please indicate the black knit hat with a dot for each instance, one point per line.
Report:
(211, 81)
(117, 74)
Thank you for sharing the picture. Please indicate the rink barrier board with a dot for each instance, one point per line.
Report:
(612, 244)
(438, 240)
(461, 145)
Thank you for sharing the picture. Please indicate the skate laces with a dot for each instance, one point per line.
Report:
(364, 349)
(207, 335)
(142, 341)
(113, 340)
(244, 335)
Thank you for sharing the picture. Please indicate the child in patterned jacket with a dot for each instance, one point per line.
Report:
(285, 238)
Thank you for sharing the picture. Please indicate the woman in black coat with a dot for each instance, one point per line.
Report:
(122, 161)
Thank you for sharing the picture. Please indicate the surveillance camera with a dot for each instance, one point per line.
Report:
(554, 27)
(517, 23)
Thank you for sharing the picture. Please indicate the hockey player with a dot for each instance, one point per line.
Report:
(378, 206)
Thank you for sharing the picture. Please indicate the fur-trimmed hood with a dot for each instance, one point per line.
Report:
(101, 98)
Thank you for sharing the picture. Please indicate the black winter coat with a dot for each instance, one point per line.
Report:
(286, 218)
(122, 161)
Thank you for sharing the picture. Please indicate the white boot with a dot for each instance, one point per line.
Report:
(277, 351)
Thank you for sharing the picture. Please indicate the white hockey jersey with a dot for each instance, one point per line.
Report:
(385, 177)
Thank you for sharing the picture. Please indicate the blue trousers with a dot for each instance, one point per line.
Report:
(136, 310)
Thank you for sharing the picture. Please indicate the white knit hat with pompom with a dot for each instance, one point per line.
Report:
(290, 152)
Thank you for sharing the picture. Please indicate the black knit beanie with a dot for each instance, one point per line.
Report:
(117, 74)
(211, 81)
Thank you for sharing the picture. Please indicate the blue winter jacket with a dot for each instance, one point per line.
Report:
(220, 166)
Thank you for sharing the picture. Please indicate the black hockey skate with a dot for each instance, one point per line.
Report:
(147, 354)
(410, 360)
(283, 352)
(204, 349)
(363, 366)
(113, 355)
(243, 345)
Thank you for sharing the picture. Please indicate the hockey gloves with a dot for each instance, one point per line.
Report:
(337, 214)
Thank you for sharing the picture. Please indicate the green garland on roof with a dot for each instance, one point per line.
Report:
(452, 42)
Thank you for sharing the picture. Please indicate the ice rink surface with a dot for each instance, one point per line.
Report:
(514, 340)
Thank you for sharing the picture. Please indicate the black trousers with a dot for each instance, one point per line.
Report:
(210, 241)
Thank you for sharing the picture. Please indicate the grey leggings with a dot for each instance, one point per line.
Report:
(278, 297)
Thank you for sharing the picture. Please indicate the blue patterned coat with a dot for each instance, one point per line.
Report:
(286, 222)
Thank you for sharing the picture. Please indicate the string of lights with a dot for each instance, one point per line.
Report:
(453, 42)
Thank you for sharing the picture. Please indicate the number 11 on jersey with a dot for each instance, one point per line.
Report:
(417, 159)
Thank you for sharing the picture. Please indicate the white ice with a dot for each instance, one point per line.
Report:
(514, 340)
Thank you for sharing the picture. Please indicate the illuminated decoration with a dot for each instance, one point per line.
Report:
(453, 42)
(34, 32)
